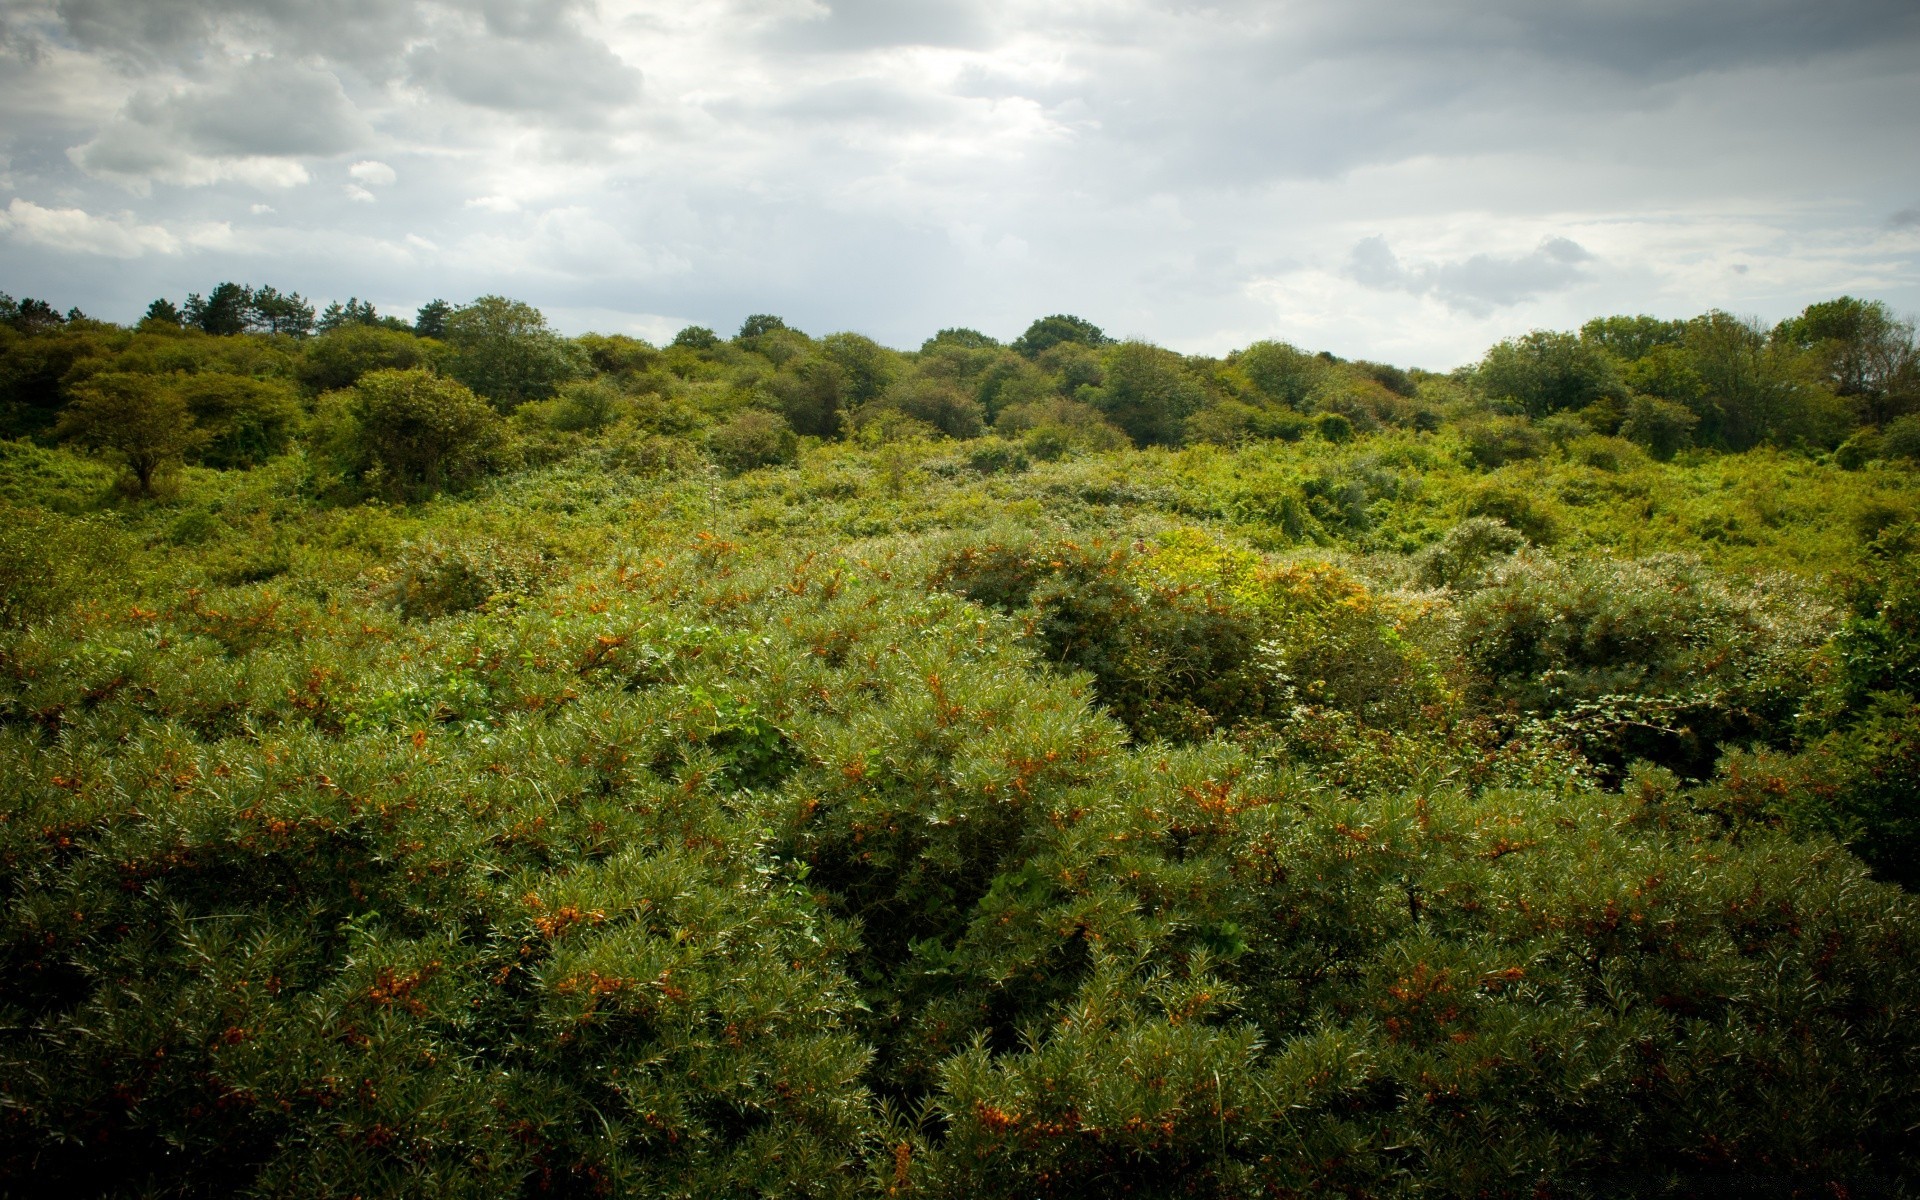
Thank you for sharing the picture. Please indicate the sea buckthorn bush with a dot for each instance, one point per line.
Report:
(653, 793)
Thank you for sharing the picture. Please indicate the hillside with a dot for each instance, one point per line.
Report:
(449, 758)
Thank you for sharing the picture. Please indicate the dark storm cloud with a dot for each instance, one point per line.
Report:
(1478, 283)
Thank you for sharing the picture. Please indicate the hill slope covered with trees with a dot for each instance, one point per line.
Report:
(443, 757)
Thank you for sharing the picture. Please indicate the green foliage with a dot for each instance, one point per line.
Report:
(1901, 438)
(142, 422)
(1463, 802)
(1656, 659)
(1661, 426)
(1547, 372)
(437, 579)
(1047, 332)
(504, 351)
(242, 421)
(753, 438)
(339, 358)
(1147, 394)
(414, 433)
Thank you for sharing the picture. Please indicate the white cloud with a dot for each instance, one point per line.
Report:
(1200, 173)
(368, 171)
(76, 231)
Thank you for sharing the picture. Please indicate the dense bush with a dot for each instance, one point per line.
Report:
(1463, 802)
(752, 438)
(1656, 659)
(414, 433)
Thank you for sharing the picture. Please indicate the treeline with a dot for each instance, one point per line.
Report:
(238, 375)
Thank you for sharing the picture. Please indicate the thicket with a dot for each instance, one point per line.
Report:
(449, 758)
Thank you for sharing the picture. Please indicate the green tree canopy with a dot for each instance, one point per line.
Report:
(505, 351)
(243, 420)
(140, 420)
(424, 432)
(1060, 327)
(1281, 372)
(1546, 372)
(1147, 394)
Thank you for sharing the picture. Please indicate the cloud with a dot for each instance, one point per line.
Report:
(1192, 170)
(853, 25)
(527, 57)
(252, 125)
(76, 231)
(1478, 283)
(368, 171)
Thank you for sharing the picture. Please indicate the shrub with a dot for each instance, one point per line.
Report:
(1334, 427)
(1663, 427)
(436, 578)
(1656, 659)
(1491, 441)
(243, 421)
(1901, 437)
(753, 438)
(338, 359)
(423, 433)
(1189, 637)
(48, 562)
(1462, 557)
(1516, 509)
(1859, 450)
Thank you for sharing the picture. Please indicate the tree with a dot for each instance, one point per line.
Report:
(141, 420)
(1280, 372)
(431, 320)
(337, 359)
(29, 315)
(242, 421)
(270, 310)
(1147, 394)
(1051, 331)
(696, 337)
(939, 404)
(961, 338)
(1863, 351)
(163, 312)
(223, 312)
(1546, 372)
(1662, 426)
(1630, 338)
(811, 395)
(354, 312)
(757, 324)
(424, 432)
(867, 365)
(1753, 389)
(505, 351)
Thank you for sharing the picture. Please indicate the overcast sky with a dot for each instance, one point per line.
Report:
(1407, 180)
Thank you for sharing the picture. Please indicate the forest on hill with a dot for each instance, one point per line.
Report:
(442, 757)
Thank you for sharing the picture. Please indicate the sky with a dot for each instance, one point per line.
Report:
(1401, 180)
